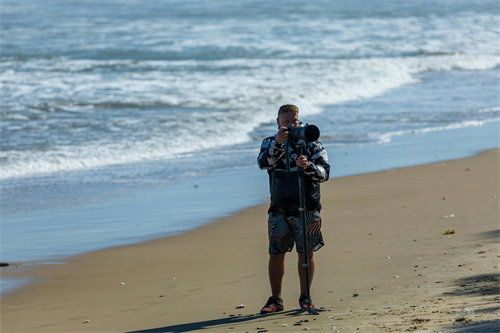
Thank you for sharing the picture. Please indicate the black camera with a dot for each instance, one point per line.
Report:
(308, 133)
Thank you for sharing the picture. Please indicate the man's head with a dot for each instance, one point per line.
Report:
(288, 115)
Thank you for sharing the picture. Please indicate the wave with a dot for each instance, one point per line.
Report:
(486, 110)
(386, 137)
(221, 104)
(223, 85)
(68, 158)
(250, 37)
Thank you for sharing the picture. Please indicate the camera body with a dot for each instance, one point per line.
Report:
(308, 133)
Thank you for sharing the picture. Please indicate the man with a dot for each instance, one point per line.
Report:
(278, 155)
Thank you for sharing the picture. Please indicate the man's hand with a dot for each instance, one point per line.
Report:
(301, 161)
(282, 135)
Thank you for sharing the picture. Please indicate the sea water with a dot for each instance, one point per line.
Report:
(127, 120)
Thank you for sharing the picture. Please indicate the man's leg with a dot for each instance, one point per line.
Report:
(276, 272)
(302, 273)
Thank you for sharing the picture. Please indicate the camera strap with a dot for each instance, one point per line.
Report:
(287, 155)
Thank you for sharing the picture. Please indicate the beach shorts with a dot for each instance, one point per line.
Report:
(284, 233)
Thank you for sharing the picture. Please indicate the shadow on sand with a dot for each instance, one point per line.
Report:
(492, 235)
(491, 326)
(188, 327)
(479, 285)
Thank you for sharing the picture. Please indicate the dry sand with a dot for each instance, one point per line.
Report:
(384, 243)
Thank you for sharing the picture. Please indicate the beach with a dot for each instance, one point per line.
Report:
(388, 266)
(130, 199)
(122, 123)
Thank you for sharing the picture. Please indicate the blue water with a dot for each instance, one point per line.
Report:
(126, 121)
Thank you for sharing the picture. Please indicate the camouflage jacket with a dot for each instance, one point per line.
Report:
(276, 158)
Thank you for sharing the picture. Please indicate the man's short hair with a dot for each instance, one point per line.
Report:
(287, 108)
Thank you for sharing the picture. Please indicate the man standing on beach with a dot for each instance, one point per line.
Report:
(278, 155)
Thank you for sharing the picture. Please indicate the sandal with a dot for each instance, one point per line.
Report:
(274, 304)
(302, 302)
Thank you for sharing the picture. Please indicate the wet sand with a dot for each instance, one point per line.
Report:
(386, 266)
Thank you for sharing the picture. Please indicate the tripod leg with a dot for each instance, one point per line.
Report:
(305, 248)
(302, 273)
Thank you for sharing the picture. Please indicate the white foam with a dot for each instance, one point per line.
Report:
(247, 93)
(493, 109)
(310, 63)
(386, 137)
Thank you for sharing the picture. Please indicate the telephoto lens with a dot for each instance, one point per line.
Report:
(308, 133)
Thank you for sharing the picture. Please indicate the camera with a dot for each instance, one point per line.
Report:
(308, 133)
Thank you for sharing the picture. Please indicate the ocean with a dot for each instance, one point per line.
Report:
(123, 121)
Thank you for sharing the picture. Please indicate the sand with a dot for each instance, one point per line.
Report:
(386, 266)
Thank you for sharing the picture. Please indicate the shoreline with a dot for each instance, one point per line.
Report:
(123, 215)
(361, 230)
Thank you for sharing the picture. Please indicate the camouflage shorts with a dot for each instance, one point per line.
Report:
(284, 233)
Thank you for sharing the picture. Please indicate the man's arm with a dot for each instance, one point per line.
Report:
(270, 153)
(318, 167)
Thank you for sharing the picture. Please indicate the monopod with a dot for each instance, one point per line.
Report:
(307, 133)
